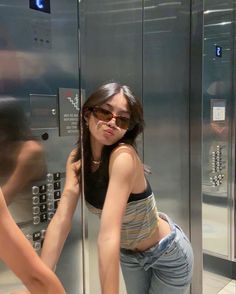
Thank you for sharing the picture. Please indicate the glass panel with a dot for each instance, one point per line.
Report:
(216, 158)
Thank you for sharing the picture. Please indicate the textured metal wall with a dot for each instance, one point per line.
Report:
(39, 55)
(147, 45)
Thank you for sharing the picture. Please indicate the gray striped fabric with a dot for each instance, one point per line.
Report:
(139, 222)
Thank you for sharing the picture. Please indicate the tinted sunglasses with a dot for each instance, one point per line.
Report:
(106, 115)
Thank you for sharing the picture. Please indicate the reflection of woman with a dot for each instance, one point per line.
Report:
(21, 157)
(155, 254)
(17, 253)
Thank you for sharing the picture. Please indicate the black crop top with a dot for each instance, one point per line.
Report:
(96, 189)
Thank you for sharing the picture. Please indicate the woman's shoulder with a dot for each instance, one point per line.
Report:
(124, 155)
(123, 148)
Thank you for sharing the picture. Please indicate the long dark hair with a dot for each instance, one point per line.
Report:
(97, 98)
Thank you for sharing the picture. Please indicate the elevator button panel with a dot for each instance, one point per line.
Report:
(217, 166)
(45, 198)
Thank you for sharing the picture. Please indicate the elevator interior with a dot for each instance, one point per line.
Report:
(218, 157)
(47, 56)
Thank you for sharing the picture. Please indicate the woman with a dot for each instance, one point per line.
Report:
(155, 254)
(17, 253)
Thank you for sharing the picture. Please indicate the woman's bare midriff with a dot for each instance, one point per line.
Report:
(162, 230)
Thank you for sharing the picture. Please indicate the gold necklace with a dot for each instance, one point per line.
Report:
(96, 162)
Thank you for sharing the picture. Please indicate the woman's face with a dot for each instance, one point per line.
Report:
(108, 133)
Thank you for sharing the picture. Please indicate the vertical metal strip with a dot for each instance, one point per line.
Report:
(84, 234)
(233, 142)
(195, 137)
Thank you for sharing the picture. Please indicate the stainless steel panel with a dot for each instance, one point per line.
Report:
(111, 43)
(217, 165)
(111, 40)
(39, 54)
(172, 106)
(217, 87)
(166, 104)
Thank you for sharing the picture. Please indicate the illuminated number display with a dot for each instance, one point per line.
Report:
(41, 5)
(218, 51)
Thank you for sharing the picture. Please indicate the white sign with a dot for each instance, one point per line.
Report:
(218, 113)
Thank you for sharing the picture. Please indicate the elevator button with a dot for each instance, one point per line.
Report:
(43, 217)
(50, 205)
(56, 176)
(50, 196)
(35, 200)
(36, 220)
(57, 195)
(35, 190)
(50, 187)
(35, 209)
(43, 208)
(42, 189)
(36, 236)
(42, 198)
(50, 215)
(50, 177)
(37, 245)
(57, 185)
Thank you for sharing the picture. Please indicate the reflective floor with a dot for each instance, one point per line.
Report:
(216, 284)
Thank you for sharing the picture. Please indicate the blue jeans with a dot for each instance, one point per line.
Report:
(165, 268)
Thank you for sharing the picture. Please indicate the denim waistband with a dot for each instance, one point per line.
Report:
(161, 246)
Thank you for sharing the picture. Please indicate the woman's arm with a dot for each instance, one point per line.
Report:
(121, 181)
(18, 254)
(30, 166)
(60, 224)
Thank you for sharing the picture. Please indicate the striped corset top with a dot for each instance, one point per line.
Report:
(139, 221)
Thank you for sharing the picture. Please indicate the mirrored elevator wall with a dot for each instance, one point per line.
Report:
(218, 157)
(39, 82)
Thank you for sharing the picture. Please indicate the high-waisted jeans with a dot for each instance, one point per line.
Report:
(165, 268)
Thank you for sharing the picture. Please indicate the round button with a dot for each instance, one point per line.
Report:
(50, 177)
(35, 190)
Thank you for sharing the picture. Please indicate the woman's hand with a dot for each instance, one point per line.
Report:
(21, 292)
(73, 171)
(60, 225)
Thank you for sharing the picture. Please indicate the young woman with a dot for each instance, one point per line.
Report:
(17, 253)
(155, 254)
